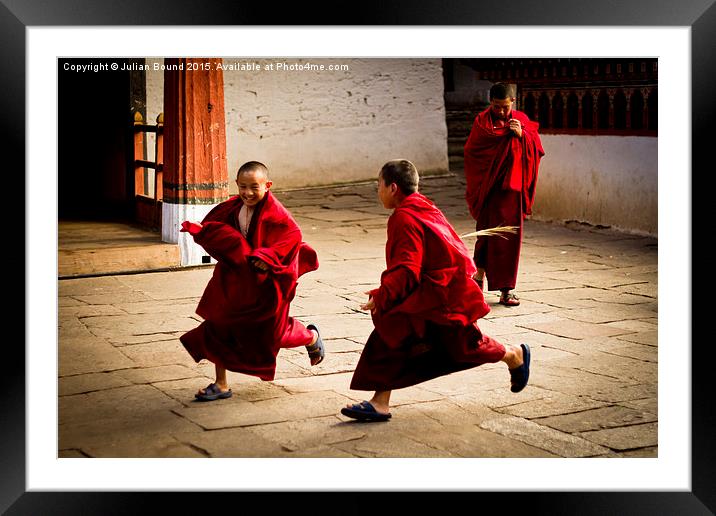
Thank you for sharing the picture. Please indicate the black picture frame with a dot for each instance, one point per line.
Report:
(16, 15)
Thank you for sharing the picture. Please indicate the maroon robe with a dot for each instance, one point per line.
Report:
(501, 173)
(245, 309)
(426, 305)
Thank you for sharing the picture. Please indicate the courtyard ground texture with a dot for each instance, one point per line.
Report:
(588, 310)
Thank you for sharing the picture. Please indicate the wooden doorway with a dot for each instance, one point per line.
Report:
(98, 228)
(94, 140)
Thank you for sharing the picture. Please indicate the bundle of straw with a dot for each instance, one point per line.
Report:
(497, 231)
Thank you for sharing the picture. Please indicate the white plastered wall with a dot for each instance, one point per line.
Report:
(602, 180)
(333, 126)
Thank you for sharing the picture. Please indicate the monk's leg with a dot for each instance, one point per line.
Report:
(221, 381)
(381, 401)
(494, 351)
(296, 334)
(513, 356)
(479, 277)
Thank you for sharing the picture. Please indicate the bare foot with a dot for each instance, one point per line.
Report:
(380, 408)
(516, 358)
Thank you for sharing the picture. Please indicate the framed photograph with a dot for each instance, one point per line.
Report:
(36, 481)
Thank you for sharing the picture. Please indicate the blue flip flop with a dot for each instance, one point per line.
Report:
(316, 349)
(212, 393)
(364, 411)
(520, 375)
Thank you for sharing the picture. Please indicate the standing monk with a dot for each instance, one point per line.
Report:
(260, 255)
(427, 305)
(502, 157)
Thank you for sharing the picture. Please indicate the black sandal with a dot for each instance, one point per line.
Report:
(317, 349)
(509, 299)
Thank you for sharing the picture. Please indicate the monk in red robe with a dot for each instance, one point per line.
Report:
(427, 305)
(502, 157)
(260, 255)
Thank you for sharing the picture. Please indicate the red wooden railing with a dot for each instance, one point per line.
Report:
(148, 208)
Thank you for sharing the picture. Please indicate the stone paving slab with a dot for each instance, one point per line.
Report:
(640, 453)
(184, 307)
(157, 374)
(558, 443)
(647, 404)
(609, 314)
(341, 345)
(622, 368)
(552, 404)
(232, 443)
(82, 310)
(389, 445)
(584, 347)
(228, 413)
(325, 304)
(124, 329)
(639, 352)
(92, 286)
(134, 401)
(142, 445)
(306, 405)
(470, 441)
(333, 363)
(82, 352)
(71, 454)
(640, 289)
(572, 329)
(501, 397)
(470, 381)
(608, 278)
(625, 437)
(305, 434)
(108, 299)
(536, 282)
(169, 285)
(635, 325)
(597, 419)
(648, 338)
(338, 382)
(84, 383)
(110, 437)
(345, 326)
(595, 386)
(157, 353)
(68, 302)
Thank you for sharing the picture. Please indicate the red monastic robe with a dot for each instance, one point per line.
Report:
(245, 309)
(501, 173)
(426, 306)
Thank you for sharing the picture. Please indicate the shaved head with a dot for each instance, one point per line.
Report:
(253, 166)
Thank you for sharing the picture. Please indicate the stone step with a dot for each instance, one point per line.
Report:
(113, 260)
(456, 145)
(459, 127)
(456, 114)
(88, 248)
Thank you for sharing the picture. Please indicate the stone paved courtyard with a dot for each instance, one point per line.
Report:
(589, 313)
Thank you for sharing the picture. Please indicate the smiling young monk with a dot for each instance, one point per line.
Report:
(260, 255)
(427, 305)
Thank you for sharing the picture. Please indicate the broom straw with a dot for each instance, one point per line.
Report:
(496, 231)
